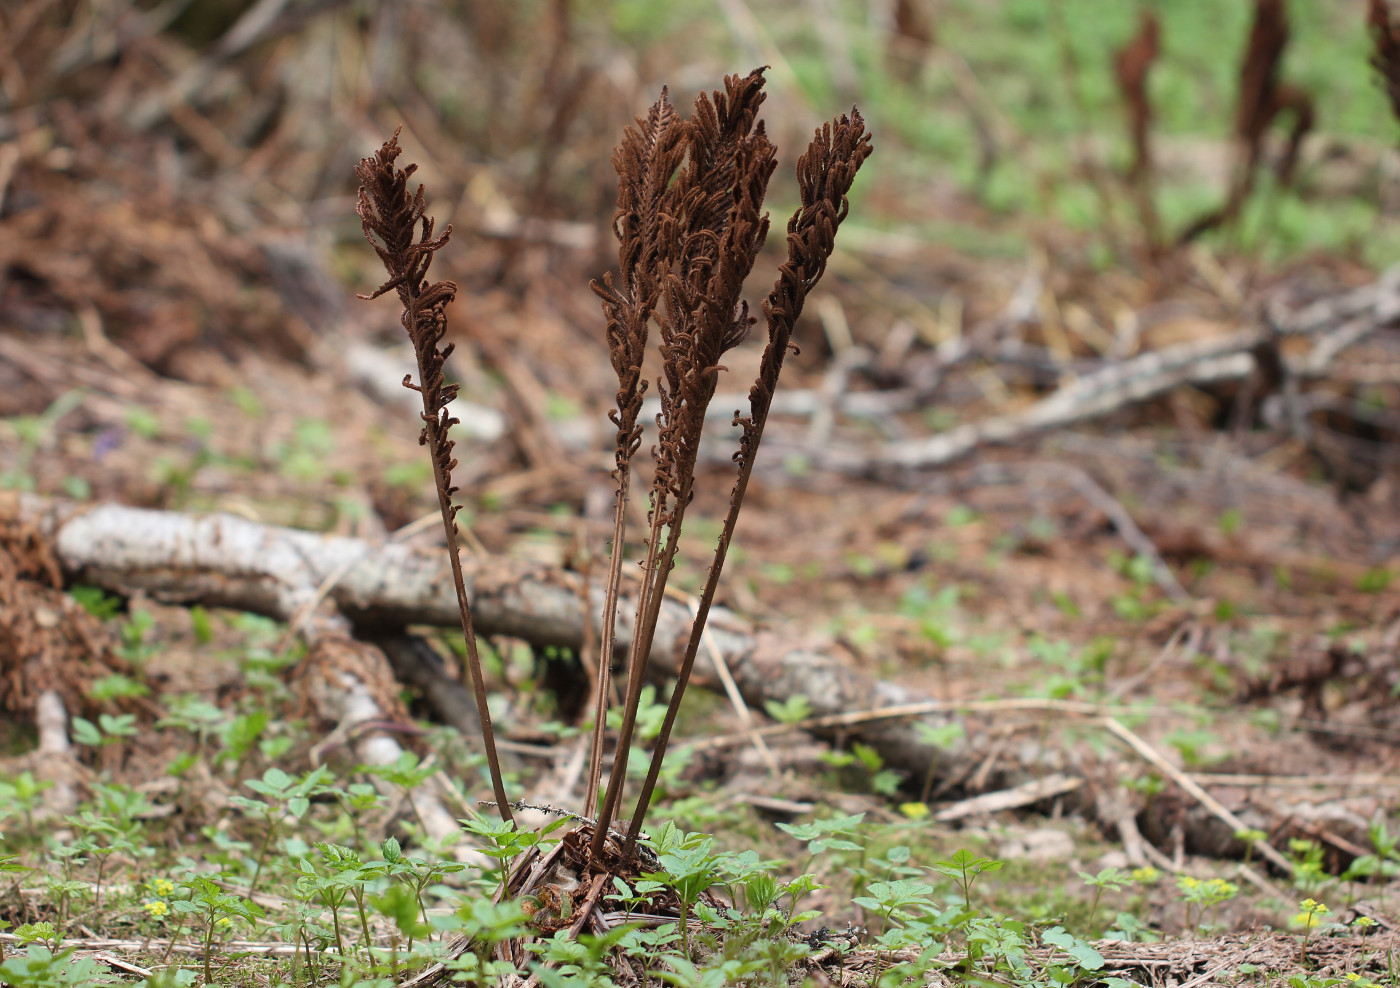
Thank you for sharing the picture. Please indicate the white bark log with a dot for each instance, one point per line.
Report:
(226, 561)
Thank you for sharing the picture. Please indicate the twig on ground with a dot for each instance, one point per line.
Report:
(726, 678)
(1192, 788)
(1103, 501)
(1149, 375)
(1009, 799)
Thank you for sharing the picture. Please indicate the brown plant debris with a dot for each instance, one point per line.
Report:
(825, 174)
(708, 231)
(161, 277)
(1385, 36)
(1132, 65)
(1262, 99)
(48, 641)
(686, 246)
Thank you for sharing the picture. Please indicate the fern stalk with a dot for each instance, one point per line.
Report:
(392, 217)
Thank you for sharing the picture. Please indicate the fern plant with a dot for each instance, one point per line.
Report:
(690, 226)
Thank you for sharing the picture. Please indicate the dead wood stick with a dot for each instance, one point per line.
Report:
(225, 561)
(1302, 781)
(1337, 323)
(856, 718)
(1190, 786)
(230, 562)
(1010, 799)
(1092, 396)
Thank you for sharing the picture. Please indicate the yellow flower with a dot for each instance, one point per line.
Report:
(162, 886)
(156, 908)
(223, 921)
(1353, 976)
(1146, 875)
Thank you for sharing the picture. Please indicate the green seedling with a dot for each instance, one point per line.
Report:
(415, 874)
(1200, 896)
(1108, 879)
(406, 773)
(505, 842)
(110, 729)
(206, 905)
(41, 967)
(345, 876)
(283, 796)
(21, 795)
(964, 868)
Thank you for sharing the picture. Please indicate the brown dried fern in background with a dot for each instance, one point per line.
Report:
(686, 247)
(1385, 37)
(1132, 66)
(391, 218)
(1262, 99)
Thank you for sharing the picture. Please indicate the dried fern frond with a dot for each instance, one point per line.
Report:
(1262, 98)
(1385, 59)
(686, 248)
(395, 225)
(825, 174)
(645, 162)
(710, 228)
(1132, 66)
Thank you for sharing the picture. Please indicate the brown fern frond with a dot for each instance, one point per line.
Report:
(1262, 98)
(710, 231)
(395, 225)
(1263, 56)
(825, 174)
(645, 162)
(1385, 59)
(1132, 65)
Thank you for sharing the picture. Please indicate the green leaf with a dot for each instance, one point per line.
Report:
(86, 732)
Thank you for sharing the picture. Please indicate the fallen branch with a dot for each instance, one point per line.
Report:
(1009, 799)
(224, 561)
(1156, 759)
(1337, 323)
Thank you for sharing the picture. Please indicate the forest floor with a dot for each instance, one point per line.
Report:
(161, 349)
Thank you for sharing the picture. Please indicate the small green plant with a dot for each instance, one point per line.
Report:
(964, 868)
(1309, 871)
(282, 795)
(1107, 880)
(42, 967)
(792, 710)
(505, 842)
(206, 905)
(1310, 913)
(110, 729)
(1200, 896)
(20, 796)
(894, 904)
